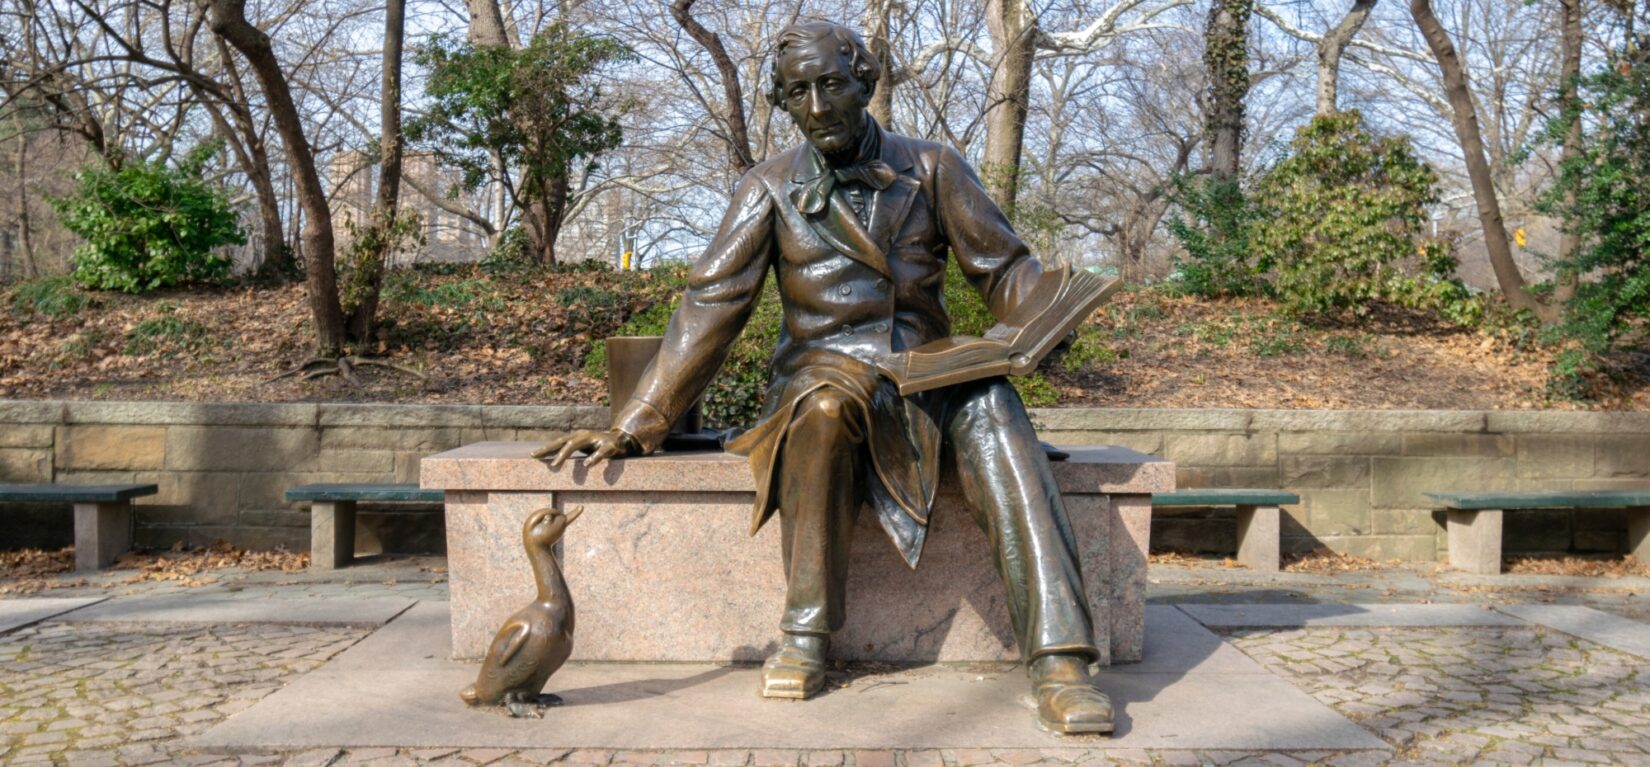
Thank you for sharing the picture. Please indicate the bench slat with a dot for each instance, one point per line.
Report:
(41, 493)
(332, 492)
(1224, 497)
(1553, 499)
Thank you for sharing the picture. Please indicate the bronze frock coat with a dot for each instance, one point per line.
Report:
(851, 293)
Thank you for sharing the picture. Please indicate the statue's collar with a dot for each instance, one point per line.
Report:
(811, 163)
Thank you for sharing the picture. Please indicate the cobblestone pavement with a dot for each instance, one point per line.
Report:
(1472, 696)
(92, 694)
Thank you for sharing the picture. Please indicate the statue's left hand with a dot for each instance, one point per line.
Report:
(598, 446)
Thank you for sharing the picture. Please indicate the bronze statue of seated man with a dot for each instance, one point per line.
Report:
(857, 224)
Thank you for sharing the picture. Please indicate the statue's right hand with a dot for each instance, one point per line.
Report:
(598, 446)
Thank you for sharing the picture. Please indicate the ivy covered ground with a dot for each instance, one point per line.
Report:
(527, 337)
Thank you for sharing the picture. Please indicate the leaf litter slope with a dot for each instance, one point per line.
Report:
(521, 338)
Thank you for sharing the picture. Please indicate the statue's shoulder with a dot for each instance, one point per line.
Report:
(921, 154)
(776, 170)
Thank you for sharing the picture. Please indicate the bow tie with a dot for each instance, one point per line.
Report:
(816, 194)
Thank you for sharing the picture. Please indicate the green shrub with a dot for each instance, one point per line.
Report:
(149, 226)
(1602, 196)
(1343, 222)
(1215, 224)
(53, 297)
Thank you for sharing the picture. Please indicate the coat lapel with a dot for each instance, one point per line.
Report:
(840, 228)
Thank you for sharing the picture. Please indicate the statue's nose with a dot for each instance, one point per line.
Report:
(816, 102)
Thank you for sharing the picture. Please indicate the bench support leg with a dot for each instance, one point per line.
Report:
(102, 532)
(1258, 530)
(1638, 533)
(1475, 540)
(331, 534)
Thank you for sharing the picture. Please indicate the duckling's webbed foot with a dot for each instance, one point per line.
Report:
(523, 705)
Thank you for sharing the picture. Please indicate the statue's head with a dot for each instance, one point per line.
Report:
(823, 76)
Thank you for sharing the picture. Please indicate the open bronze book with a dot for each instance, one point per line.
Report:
(1061, 300)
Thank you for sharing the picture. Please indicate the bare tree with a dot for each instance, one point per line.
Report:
(1227, 58)
(1496, 241)
(1330, 49)
(1013, 30)
(737, 135)
(228, 19)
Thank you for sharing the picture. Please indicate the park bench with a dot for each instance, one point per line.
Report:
(332, 515)
(102, 516)
(1259, 519)
(1473, 520)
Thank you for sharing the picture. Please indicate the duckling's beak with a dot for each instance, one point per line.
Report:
(574, 514)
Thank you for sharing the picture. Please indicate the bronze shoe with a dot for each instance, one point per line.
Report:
(1067, 700)
(794, 673)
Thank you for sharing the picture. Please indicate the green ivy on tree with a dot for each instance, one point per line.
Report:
(1214, 225)
(148, 225)
(1342, 221)
(1610, 310)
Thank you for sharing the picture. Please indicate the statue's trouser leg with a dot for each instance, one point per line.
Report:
(1007, 482)
(821, 485)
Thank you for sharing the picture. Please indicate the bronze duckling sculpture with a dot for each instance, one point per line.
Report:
(537, 639)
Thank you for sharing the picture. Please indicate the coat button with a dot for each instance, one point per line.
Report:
(847, 330)
(882, 327)
(845, 289)
(882, 284)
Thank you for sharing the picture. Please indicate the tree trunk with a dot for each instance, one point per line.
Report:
(1569, 71)
(1226, 56)
(1465, 119)
(876, 37)
(487, 24)
(738, 136)
(1330, 49)
(1013, 29)
(25, 241)
(369, 272)
(229, 20)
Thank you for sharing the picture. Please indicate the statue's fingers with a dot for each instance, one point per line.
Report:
(566, 452)
(552, 446)
(602, 454)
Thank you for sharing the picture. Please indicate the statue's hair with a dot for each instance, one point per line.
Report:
(863, 63)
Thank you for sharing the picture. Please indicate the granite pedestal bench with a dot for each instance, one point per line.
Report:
(102, 516)
(1259, 519)
(1474, 520)
(662, 568)
(332, 515)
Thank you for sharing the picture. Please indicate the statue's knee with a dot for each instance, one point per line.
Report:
(825, 403)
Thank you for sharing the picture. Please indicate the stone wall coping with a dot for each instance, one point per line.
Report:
(509, 466)
(552, 417)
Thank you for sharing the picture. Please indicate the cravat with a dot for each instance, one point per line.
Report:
(875, 174)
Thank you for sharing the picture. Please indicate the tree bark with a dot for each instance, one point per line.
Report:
(738, 135)
(369, 267)
(1507, 276)
(1569, 72)
(1013, 29)
(25, 242)
(1226, 56)
(877, 17)
(228, 19)
(487, 24)
(1330, 49)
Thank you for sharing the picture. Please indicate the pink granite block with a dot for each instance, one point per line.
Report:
(661, 568)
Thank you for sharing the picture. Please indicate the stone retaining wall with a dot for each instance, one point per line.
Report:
(1361, 473)
(222, 468)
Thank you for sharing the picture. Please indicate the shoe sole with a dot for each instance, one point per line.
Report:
(1076, 729)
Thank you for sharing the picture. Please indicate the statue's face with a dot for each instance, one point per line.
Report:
(823, 96)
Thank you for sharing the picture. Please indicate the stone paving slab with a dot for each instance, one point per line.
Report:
(396, 689)
(1612, 631)
(1236, 616)
(184, 608)
(17, 613)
